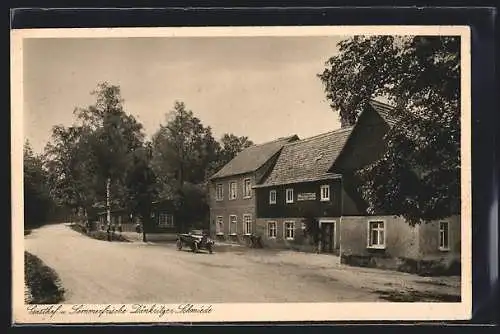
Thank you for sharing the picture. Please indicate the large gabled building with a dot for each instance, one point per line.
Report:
(316, 177)
(232, 198)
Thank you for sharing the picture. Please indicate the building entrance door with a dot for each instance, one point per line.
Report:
(327, 236)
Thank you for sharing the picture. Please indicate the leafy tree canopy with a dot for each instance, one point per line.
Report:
(38, 203)
(98, 147)
(183, 150)
(231, 145)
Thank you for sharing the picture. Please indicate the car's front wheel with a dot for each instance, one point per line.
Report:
(179, 245)
(194, 247)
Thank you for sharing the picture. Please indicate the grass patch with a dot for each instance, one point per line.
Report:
(416, 296)
(99, 235)
(42, 281)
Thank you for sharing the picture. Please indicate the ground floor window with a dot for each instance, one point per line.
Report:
(444, 236)
(219, 225)
(289, 230)
(233, 220)
(271, 229)
(247, 224)
(165, 220)
(376, 234)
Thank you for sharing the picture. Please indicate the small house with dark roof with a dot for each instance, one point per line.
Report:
(163, 214)
(232, 198)
(315, 179)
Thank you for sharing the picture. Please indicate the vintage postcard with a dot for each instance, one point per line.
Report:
(225, 174)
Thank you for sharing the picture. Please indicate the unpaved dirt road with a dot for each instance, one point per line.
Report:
(94, 271)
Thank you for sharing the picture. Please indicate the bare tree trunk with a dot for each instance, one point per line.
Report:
(108, 201)
(86, 220)
(108, 209)
(144, 238)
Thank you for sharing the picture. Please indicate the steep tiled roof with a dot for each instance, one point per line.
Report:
(252, 158)
(308, 159)
(385, 111)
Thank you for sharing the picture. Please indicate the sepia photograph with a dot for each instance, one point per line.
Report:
(171, 174)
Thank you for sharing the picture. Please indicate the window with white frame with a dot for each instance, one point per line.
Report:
(289, 230)
(272, 196)
(219, 225)
(247, 188)
(444, 236)
(233, 220)
(219, 192)
(247, 224)
(376, 234)
(289, 195)
(232, 190)
(325, 192)
(165, 220)
(271, 230)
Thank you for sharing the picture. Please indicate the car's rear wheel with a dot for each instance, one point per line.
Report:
(179, 245)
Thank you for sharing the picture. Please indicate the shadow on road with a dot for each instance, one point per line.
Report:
(417, 296)
(194, 253)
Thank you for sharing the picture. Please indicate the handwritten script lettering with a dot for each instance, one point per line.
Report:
(45, 310)
(160, 310)
(99, 311)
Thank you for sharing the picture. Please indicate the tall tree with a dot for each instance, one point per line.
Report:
(142, 187)
(183, 153)
(418, 176)
(114, 136)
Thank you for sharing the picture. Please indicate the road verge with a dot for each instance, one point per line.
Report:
(42, 283)
(99, 235)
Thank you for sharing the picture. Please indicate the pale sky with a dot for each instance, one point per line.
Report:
(260, 87)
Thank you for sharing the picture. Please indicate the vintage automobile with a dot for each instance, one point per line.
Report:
(196, 240)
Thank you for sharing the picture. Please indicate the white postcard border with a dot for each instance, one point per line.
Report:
(229, 312)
